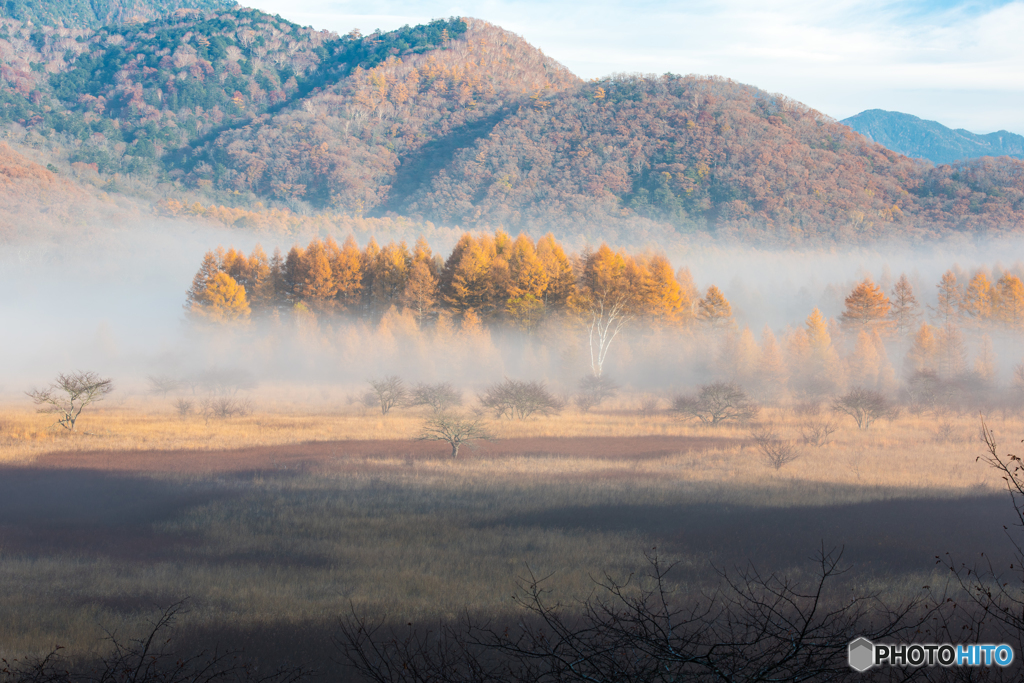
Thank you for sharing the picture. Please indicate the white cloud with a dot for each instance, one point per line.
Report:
(959, 64)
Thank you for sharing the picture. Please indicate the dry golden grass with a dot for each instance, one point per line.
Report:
(921, 452)
(369, 518)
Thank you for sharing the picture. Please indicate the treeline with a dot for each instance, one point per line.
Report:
(493, 278)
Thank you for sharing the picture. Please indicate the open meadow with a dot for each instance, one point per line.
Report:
(276, 524)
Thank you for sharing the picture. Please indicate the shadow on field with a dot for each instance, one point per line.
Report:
(355, 455)
(88, 512)
(880, 537)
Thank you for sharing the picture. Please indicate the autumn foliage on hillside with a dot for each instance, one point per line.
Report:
(344, 146)
(460, 123)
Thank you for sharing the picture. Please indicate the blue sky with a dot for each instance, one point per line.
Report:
(958, 63)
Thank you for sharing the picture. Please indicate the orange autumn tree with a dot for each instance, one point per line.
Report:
(664, 301)
(1009, 308)
(714, 309)
(976, 304)
(867, 307)
(224, 300)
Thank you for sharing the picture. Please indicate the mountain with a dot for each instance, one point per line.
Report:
(930, 140)
(235, 115)
(96, 13)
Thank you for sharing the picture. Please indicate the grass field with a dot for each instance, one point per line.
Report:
(277, 523)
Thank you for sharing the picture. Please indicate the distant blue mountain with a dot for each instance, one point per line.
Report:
(930, 140)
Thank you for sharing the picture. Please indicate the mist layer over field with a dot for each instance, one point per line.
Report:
(115, 305)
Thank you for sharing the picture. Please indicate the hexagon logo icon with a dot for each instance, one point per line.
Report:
(861, 654)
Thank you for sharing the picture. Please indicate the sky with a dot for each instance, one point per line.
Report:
(957, 63)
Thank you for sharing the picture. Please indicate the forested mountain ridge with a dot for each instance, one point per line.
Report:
(234, 113)
(923, 139)
(96, 13)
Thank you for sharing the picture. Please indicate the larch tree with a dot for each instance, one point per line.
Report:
(824, 371)
(261, 286)
(294, 267)
(947, 309)
(1010, 301)
(866, 307)
(526, 272)
(978, 298)
(738, 357)
(316, 285)
(664, 300)
(985, 360)
(558, 268)
(224, 300)
(196, 295)
(924, 351)
(525, 311)
(465, 282)
(236, 265)
(904, 309)
(347, 267)
(714, 309)
(390, 274)
(952, 351)
(367, 258)
(771, 374)
(864, 364)
(420, 295)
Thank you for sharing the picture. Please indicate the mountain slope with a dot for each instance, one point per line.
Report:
(930, 140)
(345, 144)
(96, 13)
(459, 122)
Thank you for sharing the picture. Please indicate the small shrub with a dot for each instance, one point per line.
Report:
(717, 403)
(818, 432)
(946, 432)
(224, 407)
(775, 451)
(593, 391)
(184, 407)
(441, 397)
(514, 399)
(864, 406)
(649, 406)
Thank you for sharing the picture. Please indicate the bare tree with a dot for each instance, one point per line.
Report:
(593, 391)
(753, 627)
(864, 406)
(992, 602)
(717, 403)
(70, 394)
(184, 407)
(818, 432)
(454, 429)
(514, 399)
(390, 392)
(224, 407)
(163, 384)
(775, 451)
(649, 406)
(441, 397)
(147, 659)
